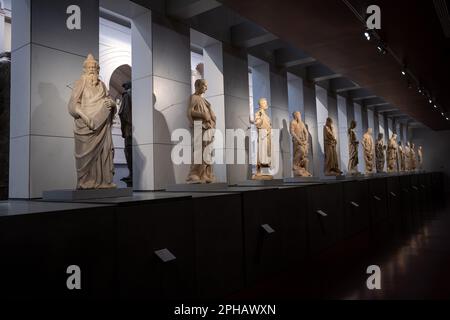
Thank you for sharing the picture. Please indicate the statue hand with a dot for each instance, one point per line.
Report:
(109, 104)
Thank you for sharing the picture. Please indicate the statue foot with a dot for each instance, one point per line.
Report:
(194, 179)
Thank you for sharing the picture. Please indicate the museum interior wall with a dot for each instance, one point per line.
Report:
(435, 145)
(237, 96)
(45, 63)
(159, 52)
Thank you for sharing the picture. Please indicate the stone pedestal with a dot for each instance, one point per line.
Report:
(197, 187)
(78, 195)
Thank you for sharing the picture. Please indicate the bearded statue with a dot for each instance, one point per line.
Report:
(93, 110)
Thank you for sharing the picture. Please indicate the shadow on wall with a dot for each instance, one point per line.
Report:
(53, 109)
(162, 157)
(285, 142)
(5, 84)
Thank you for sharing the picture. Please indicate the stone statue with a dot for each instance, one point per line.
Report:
(407, 151)
(353, 144)
(264, 126)
(93, 110)
(420, 157)
(125, 115)
(300, 136)
(380, 153)
(330, 142)
(413, 157)
(200, 110)
(392, 156)
(401, 153)
(367, 144)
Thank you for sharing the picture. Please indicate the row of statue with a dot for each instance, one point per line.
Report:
(93, 111)
(397, 158)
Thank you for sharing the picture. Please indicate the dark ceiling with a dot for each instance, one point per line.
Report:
(330, 32)
(323, 41)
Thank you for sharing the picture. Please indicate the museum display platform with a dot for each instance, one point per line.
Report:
(219, 241)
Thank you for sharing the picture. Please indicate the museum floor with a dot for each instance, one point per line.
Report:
(415, 265)
(288, 241)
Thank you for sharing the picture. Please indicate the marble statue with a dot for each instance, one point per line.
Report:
(402, 156)
(200, 110)
(125, 115)
(367, 144)
(93, 110)
(264, 127)
(300, 136)
(420, 157)
(330, 142)
(380, 157)
(413, 157)
(353, 144)
(407, 150)
(392, 157)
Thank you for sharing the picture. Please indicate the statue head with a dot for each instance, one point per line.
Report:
(370, 131)
(91, 69)
(352, 124)
(201, 86)
(380, 136)
(263, 103)
(329, 122)
(413, 145)
(394, 136)
(297, 115)
(399, 143)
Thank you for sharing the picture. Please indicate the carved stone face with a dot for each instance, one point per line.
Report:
(201, 86)
(297, 116)
(91, 71)
(329, 122)
(263, 104)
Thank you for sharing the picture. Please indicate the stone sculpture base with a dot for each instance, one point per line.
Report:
(262, 177)
(196, 187)
(76, 195)
(301, 180)
(261, 183)
(331, 178)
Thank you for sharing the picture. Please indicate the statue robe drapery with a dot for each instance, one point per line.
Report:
(264, 126)
(367, 144)
(331, 158)
(94, 150)
(300, 147)
(199, 110)
(352, 150)
(380, 155)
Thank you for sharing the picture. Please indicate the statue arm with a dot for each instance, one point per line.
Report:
(195, 110)
(292, 131)
(258, 119)
(75, 100)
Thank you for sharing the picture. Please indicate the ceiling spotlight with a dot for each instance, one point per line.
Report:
(420, 90)
(403, 72)
(381, 48)
(430, 101)
(435, 106)
(446, 118)
(367, 34)
(443, 114)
